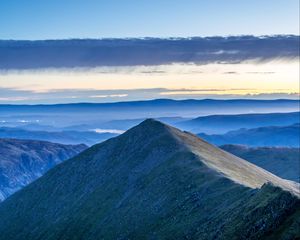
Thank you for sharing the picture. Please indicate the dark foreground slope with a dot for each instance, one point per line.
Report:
(281, 161)
(153, 182)
(22, 161)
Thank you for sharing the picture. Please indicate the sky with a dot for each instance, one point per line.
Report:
(66, 19)
(60, 19)
(269, 80)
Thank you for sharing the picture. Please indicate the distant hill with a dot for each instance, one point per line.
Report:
(283, 136)
(281, 161)
(153, 182)
(100, 113)
(125, 124)
(64, 137)
(224, 123)
(23, 161)
(146, 51)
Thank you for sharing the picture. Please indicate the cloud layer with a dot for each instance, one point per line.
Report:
(147, 51)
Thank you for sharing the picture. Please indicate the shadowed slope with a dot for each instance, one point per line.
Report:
(152, 182)
(23, 161)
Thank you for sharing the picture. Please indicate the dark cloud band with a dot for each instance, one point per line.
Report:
(147, 51)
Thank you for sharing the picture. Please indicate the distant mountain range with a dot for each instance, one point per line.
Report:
(154, 182)
(96, 114)
(287, 136)
(146, 51)
(23, 161)
(283, 162)
(63, 137)
(94, 131)
(215, 123)
(224, 123)
(125, 124)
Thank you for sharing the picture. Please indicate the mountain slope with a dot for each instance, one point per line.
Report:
(152, 182)
(23, 161)
(284, 136)
(217, 124)
(281, 161)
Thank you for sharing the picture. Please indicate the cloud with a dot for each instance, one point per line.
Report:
(223, 52)
(261, 72)
(10, 95)
(149, 51)
(169, 92)
(231, 72)
(13, 99)
(109, 96)
(115, 131)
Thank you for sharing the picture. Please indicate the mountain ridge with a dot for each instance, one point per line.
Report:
(218, 165)
(269, 136)
(158, 100)
(211, 124)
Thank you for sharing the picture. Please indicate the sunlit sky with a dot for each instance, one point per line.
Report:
(64, 19)
(270, 77)
(165, 81)
(53, 19)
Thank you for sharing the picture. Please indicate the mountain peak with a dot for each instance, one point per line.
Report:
(151, 122)
(230, 166)
(152, 182)
(149, 128)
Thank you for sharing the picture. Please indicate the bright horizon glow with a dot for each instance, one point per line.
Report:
(271, 76)
(104, 84)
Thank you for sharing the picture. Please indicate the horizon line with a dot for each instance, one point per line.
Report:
(148, 100)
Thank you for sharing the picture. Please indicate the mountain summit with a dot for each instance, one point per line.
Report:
(154, 182)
